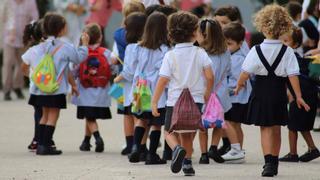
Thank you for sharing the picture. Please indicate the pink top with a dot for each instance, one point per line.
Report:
(103, 14)
(23, 12)
(187, 5)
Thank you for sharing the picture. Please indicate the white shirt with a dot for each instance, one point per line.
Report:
(270, 48)
(148, 3)
(184, 67)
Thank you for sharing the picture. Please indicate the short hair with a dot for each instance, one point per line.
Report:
(234, 31)
(167, 10)
(214, 41)
(53, 24)
(94, 32)
(155, 31)
(296, 36)
(273, 20)
(134, 25)
(181, 26)
(131, 7)
(152, 8)
(294, 9)
(232, 12)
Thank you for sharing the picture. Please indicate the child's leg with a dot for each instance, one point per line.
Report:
(231, 132)
(239, 133)
(94, 129)
(154, 139)
(139, 132)
(37, 118)
(172, 139)
(309, 140)
(145, 138)
(203, 140)
(128, 127)
(276, 141)
(226, 143)
(293, 138)
(266, 140)
(187, 143)
(42, 125)
(85, 146)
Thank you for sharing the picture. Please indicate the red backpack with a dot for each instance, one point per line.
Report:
(95, 71)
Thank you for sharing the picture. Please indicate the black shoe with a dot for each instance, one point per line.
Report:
(33, 146)
(45, 150)
(178, 155)
(214, 154)
(188, 170)
(19, 93)
(310, 155)
(204, 159)
(143, 155)
(85, 146)
(125, 151)
(269, 170)
(7, 96)
(153, 159)
(290, 158)
(99, 145)
(167, 155)
(134, 157)
(223, 150)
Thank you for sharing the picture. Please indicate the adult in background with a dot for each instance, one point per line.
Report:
(101, 11)
(17, 14)
(74, 11)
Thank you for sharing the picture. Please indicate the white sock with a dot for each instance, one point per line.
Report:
(236, 146)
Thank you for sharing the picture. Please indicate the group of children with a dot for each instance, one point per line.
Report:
(174, 50)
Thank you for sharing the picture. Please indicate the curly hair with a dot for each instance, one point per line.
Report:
(181, 26)
(273, 20)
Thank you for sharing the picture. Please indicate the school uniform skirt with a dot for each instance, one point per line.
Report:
(50, 101)
(156, 121)
(268, 103)
(238, 113)
(299, 119)
(125, 111)
(93, 113)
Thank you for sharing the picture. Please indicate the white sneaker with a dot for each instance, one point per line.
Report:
(234, 156)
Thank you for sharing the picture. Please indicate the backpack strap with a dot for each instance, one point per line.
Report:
(56, 50)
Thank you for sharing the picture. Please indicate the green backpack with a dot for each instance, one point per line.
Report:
(314, 69)
(141, 96)
(44, 75)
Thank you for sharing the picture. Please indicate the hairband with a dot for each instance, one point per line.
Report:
(203, 24)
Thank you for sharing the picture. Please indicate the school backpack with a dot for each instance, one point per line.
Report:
(213, 116)
(95, 71)
(141, 96)
(44, 75)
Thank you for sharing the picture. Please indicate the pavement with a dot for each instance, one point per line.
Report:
(16, 162)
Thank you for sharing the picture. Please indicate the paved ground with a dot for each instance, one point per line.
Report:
(17, 163)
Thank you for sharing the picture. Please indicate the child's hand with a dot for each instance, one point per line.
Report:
(302, 104)
(85, 39)
(237, 89)
(74, 91)
(155, 112)
(117, 79)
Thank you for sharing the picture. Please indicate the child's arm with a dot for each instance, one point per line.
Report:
(161, 85)
(73, 84)
(244, 76)
(25, 69)
(118, 78)
(208, 74)
(96, 6)
(294, 81)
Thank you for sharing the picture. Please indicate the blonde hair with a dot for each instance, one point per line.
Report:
(273, 20)
(131, 7)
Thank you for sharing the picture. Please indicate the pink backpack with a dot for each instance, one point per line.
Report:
(213, 116)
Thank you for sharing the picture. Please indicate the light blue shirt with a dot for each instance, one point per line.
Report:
(146, 61)
(93, 97)
(66, 54)
(221, 65)
(237, 59)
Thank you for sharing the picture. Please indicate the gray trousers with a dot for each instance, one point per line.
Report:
(12, 76)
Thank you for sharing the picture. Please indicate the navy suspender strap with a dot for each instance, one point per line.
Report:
(277, 61)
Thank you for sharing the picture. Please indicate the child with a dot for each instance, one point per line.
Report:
(147, 56)
(211, 38)
(235, 33)
(134, 26)
(54, 27)
(32, 36)
(121, 44)
(93, 102)
(300, 120)
(271, 62)
(182, 32)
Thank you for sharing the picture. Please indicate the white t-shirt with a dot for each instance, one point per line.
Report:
(270, 48)
(184, 67)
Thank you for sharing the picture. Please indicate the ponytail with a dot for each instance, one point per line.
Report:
(33, 33)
